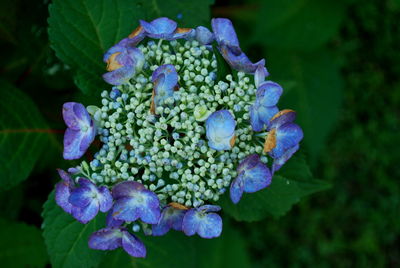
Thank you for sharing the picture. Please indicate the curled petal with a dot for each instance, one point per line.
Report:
(204, 36)
(281, 118)
(236, 189)
(75, 116)
(105, 199)
(260, 74)
(106, 239)
(210, 208)
(62, 194)
(238, 60)
(132, 245)
(287, 136)
(220, 129)
(171, 217)
(268, 93)
(171, 76)
(72, 144)
(136, 36)
(279, 162)
(159, 28)
(119, 76)
(111, 222)
(179, 33)
(224, 32)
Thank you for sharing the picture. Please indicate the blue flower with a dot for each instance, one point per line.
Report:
(165, 79)
(164, 28)
(171, 218)
(203, 221)
(228, 45)
(264, 108)
(283, 137)
(220, 130)
(123, 61)
(80, 132)
(87, 200)
(253, 175)
(63, 191)
(133, 201)
(204, 36)
(111, 238)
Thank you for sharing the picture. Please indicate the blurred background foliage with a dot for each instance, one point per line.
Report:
(338, 63)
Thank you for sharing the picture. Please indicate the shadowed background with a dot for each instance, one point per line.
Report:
(338, 64)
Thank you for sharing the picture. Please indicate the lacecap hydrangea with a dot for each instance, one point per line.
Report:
(172, 137)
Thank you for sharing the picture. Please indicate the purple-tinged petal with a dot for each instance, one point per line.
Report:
(132, 245)
(81, 197)
(209, 208)
(126, 189)
(86, 214)
(255, 121)
(171, 76)
(266, 113)
(236, 189)
(75, 115)
(281, 118)
(207, 225)
(287, 136)
(72, 144)
(143, 205)
(220, 130)
(106, 239)
(210, 226)
(204, 36)
(62, 194)
(224, 32)
(180, 33)
(238, 60)
(136, 36)
(279, 162)
(190, 222)
(260, 74)
(170, 218)
(256, 178)
(268, 93)
(248, 163)
(65, 176)
(105, 199)
(111, 222)
(159, 28)
(119, 76)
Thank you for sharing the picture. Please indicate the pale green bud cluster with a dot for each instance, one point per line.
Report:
(168, 152)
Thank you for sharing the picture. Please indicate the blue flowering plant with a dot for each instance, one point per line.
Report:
(171, 137)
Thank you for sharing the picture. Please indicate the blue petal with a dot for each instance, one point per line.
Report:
(87, 213)
(249, 162)
(204, 36)
(279, 162)
(210, 226)
(105, 199)
(260, 74)
(170, 218)
(127, 189)
(76, 116)
(186, 33)
(132, 245)
(256, 178)
(190, 222)
(255, 121)
(236, 189)
(220, 129)
(238, 60)
(224, 32)
(266, 113)
(281, 118)
(62, 194)
(111, 222)
(171, 76)
(81, 197)
(159, 28)
(268, 93)
(72, 144)
(119, 76)
(287, 136)
(210, 208)
(106, 239)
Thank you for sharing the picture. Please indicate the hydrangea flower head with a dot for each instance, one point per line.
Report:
(172, 137)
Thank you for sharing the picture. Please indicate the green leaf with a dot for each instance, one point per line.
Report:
(21, 245)
(274, 200)
(81, 31)
(315, 94)
(67, 239)
(187, 13)
(298, 24)
(22, 135)
(177, 250)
